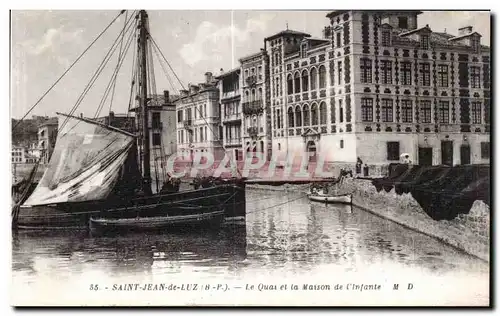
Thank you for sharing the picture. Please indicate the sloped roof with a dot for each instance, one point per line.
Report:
(317, 42)
(287, 32)
(51, 121)
(424, 28)
(466, 35)
(227, 73)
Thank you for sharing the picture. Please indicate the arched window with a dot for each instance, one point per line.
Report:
(313, 80)
(290, 117)
(262, 146)
(314, 114)
(298, 116)
(259, 94)
(289, 82)
(305, 81)
(322, 77)
(247, 96)
(322, 113)
(332, 113)
(253, 95)
(307, 116)
(296, 82)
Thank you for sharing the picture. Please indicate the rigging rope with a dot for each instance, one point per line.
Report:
(92, 80)
(133, 75)
(154, 99)
(196, 108)
(69, 68)
(165, 71)
(115, 72)
(117, 63)
(275, 205)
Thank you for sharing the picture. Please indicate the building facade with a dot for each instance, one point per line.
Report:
(122, 121)
(376, 86)
(18, 154)
(256, 131)
(47, 135)
(231, 112)
(198, 119)
(161, 126)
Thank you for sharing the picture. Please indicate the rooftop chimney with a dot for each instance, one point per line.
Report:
(221, 71)
(193, 88)
(166, 96)
(464, 30)
(208, 77)
(327, 32)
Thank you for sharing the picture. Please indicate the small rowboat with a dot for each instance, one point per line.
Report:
(326, 198)
(207, 219)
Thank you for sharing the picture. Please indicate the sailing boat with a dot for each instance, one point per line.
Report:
(100, 173)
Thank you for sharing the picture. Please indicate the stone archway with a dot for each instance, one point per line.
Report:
(312, 150)
(311, 141)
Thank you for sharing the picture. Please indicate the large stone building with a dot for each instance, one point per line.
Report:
(376, 86)
(198, 119)
(231, 114)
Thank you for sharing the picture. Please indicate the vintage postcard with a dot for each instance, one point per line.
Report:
(250, 158)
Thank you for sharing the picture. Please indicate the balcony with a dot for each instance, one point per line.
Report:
(156, 126)
(188, 124)
(253, 107)
(233, 142)
(236, 117)
(230, 95)
(251, 80)
(253, 131)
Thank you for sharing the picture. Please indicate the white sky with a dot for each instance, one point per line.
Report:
(45, 43)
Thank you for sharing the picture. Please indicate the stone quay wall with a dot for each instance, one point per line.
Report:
(467, 232)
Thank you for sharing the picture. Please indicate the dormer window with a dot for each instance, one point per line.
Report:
(403, 22)
(424, 41)
(304, 50)
(386, 38)
(475, 43)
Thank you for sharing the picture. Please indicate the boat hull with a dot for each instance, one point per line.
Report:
(339, 199)
(166, 223)
(229, 197)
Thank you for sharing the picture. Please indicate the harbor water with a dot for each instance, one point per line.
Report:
(287, 238)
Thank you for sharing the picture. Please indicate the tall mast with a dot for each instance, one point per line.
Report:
(143, 99)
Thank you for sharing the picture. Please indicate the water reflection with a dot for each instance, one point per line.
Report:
(145, 253)
(283, 233)
(304, 235)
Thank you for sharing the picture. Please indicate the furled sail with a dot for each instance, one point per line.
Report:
(85, 165)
